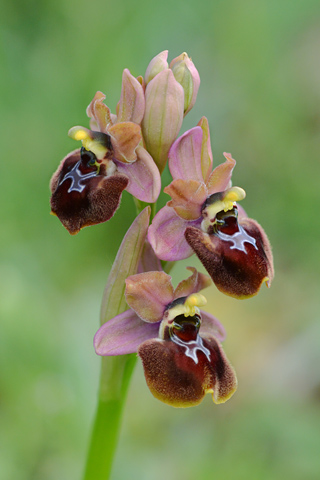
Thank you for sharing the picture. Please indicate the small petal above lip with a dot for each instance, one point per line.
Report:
(187, 196)
(125, 138)
(148, 294)
(99, 112)
(196, 282)
(123, 334)
(220, 178)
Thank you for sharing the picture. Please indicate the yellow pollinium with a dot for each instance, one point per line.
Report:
(192, 304)
(226, 202)
(90, 143)
(80, 133)
(189, 308)
(234, 194)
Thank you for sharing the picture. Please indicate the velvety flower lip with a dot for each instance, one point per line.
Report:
(182, 380)
(177, 342)
(236, 253)
(82, 193)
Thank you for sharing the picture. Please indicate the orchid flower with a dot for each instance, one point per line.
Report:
(203, 217)
(87, 187)
(178, 343)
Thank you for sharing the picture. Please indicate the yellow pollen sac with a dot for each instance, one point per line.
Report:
(226, 202)
(79, 133)
(88, 141)
(234, 194)
(192, 302)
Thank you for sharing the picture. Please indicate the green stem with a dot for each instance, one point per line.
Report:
(115, 371)
(141, 205)
(114, 381)
(167, 266)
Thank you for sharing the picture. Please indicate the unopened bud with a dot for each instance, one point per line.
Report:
(157, 64)
(187, 75)
(163, 115)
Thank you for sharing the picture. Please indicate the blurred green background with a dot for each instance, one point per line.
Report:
(259, 66)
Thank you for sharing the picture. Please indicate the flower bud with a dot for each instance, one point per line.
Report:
(157, 64)
(163, 115)
(187, 75)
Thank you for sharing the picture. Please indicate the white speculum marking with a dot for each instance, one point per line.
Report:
(192, 347)
(76, 178)
(238, 239)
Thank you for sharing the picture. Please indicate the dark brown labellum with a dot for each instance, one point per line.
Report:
(237, 256)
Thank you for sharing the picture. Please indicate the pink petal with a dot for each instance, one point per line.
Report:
(220, 178)
(185, 156)
(210, 325)
(132, 103)
(123, 334)
(99, 112)
(144, 177)
(125, 138)
(188, 196)
(148, 294)
(166, 235)
(196, 282)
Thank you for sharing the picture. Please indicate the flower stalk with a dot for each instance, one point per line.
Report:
(115, 371)
(114, 382)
